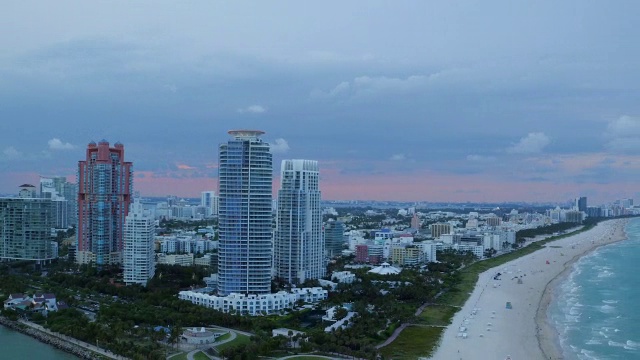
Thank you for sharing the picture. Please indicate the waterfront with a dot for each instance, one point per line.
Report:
(15, 345)
(595, 312)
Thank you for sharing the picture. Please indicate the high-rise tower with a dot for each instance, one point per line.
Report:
(105, 185)
(139, 233)
(298, 241)
(25, 227)
(244, 214)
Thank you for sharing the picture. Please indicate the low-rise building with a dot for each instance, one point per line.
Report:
(41, 303)
(206, 260)
(345, 277)
(256, 304)
(182, 260)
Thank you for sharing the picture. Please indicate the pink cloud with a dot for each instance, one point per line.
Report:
(185, 167)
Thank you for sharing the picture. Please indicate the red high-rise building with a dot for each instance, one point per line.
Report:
(105, 186)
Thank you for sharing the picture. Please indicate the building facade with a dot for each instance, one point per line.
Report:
(440, 229)
(298, 241)
(209, 201)
(334, 238)
(138, 254)
(63, 194)
(25, 227)
(581, 203)
(105, 186)
(264, 304)
(244, 214)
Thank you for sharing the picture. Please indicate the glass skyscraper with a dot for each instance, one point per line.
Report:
(298, 242)
(244, 214)
(105, 185)
(334, 238)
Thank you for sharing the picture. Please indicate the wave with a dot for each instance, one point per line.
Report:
(575, 311)
(607, 309)
(616, 344)
(610, 301)
(587, 355)
(606, 274)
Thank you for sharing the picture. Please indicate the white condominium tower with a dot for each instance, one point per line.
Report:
(244, 214)
(138, 254)
(298, 240)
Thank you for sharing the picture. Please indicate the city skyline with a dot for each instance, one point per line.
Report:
(412, 101)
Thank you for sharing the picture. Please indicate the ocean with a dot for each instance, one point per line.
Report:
(596, 310)
(15, 345)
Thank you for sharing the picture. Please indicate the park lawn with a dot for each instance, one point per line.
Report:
(438, 315)
(239, 340)
(413, 342)
(200, 356)
(181, 356)
(307, 357)
(224, 337)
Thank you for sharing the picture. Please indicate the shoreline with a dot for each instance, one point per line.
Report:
(547, 334)
(520, 329)
(57, 343)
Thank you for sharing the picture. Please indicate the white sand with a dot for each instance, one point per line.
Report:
(515, 332)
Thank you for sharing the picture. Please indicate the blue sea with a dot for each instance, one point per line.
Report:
(14, 345)
(597, 308)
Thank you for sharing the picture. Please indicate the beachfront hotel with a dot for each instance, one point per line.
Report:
(244, 214)
(105, 185)
(298, 241)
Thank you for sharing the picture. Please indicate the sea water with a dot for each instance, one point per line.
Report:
(15, 345)
(596, 309)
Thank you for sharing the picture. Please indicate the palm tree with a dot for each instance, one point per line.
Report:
(174, 336)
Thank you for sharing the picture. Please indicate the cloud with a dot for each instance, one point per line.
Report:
(279, 146)
(253, 109)
(624, 134)
(11, 153)
(398, 157)
(480, 158)
(533, 143)
(185, 167)
(170, 87)
(371, 85)
(57, 144)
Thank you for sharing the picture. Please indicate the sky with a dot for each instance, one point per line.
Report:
(481, 101)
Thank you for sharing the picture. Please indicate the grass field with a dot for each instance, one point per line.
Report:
(239, 340)
(200, 356)
(224, 337)
(413, 342)
(437, 315)
(181, 356)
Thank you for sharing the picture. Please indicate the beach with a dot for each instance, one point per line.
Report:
(506, 316)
